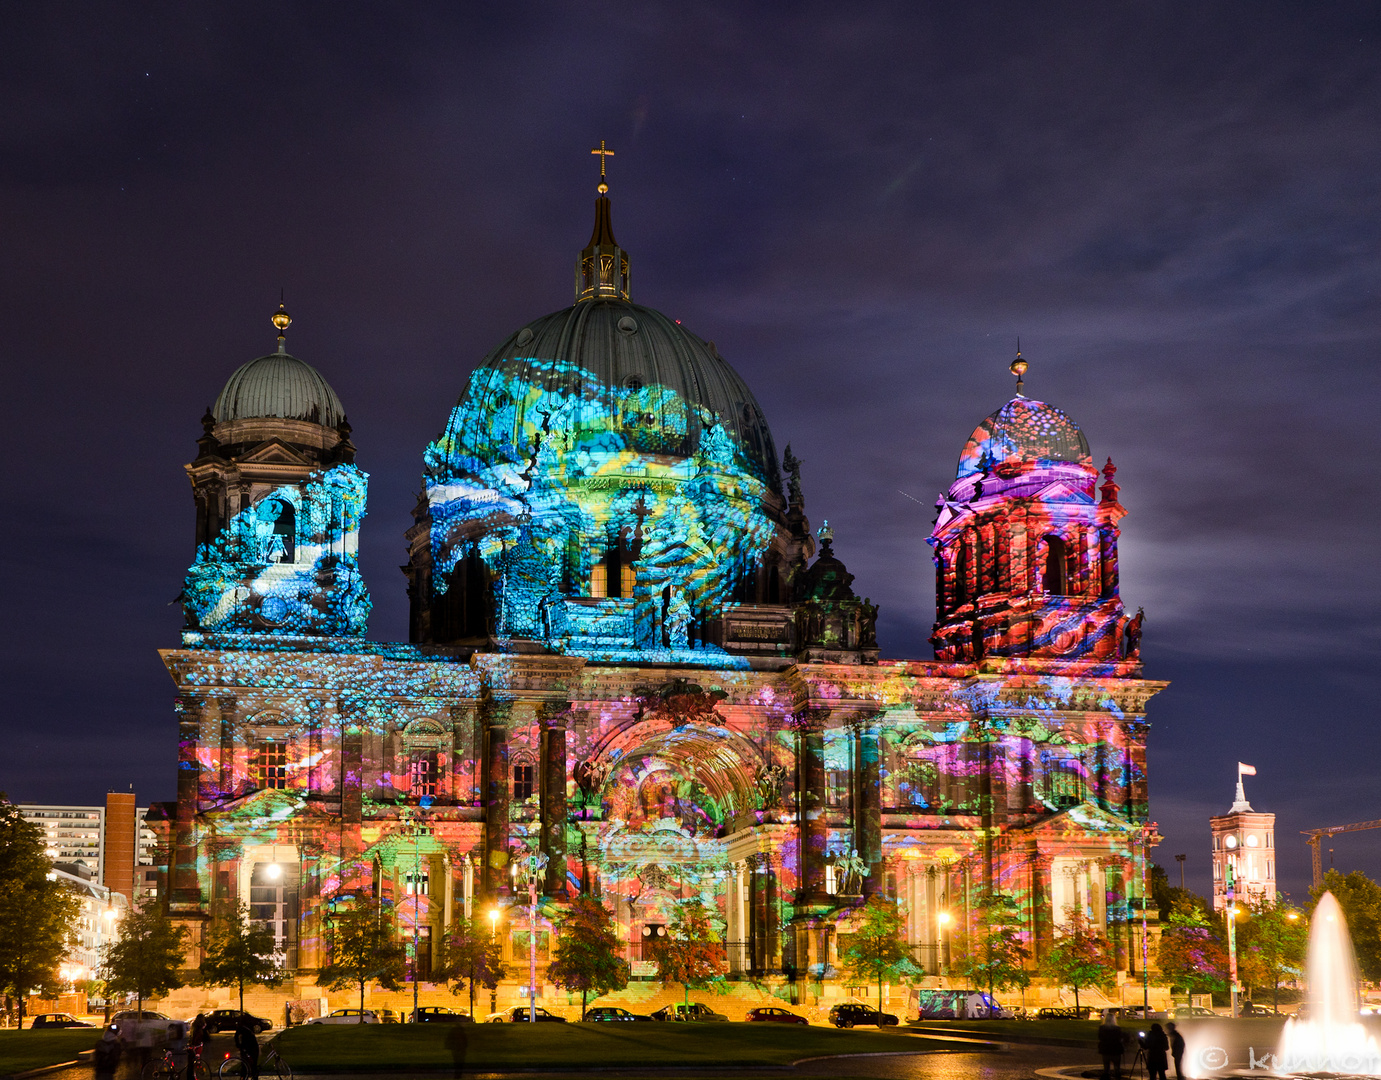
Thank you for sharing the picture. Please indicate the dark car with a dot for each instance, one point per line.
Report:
(692, 1013)
(1066, 1012)
(519, 1015)
(612, 1014)
(438, 1014)
(770, 1015)
(58, 1020)
(229, 1020)
(852, 1013)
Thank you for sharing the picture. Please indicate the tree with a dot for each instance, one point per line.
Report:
(364, 948)
(238, 952)
(875, 949)
(690, 954)
(1079, 957)
(999, 959)
(587, 952)
(472, 957)
(147, 957)
(1271, 942)
(1191, 954)
(37, 915)
(1360, 899)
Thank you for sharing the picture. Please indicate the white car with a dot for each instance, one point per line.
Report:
(347, 1016)
(144, 1027)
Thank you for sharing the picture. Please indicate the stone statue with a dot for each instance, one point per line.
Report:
(791, 465)
(677, 620)
(1133, 632)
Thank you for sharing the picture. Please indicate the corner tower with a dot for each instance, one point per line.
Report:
(279, 502)
(1026, 544)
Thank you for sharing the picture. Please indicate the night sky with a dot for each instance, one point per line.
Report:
(1176, 206)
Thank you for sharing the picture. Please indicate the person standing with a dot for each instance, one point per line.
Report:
(247, 1043)
(107, 1055)
(1110, 1045)
(1157, 1047)
(196, 1044)
(1176, 1050)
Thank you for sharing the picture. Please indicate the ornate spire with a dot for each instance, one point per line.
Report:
(1018, 368)
(282, 320)
(601, 272)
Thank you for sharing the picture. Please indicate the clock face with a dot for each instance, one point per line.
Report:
(1230, 842)
(1252, 841)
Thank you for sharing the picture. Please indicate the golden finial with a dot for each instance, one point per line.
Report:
(282, 320)
(603, 180)
(1018, 367)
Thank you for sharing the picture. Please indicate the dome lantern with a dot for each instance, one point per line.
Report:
(601, 271)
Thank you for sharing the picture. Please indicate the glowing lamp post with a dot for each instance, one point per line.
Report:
(426, 802)
(529, 871)
(493, 936)
(942, 920)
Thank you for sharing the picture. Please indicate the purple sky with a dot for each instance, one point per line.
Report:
(1174, 205)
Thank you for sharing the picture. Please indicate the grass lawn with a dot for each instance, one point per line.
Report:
(343, 1048)
(21, 1051)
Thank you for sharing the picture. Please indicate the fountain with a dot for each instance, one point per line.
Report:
(1332, 1038)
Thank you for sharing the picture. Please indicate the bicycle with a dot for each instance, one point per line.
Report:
(163, 1066)
(271, 1064)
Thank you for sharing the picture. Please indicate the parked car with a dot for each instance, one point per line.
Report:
(852, 1013)
(519, 1015)
(1188, 1012)
(437, 1014)
(389, 1016)
(347, 1016)
(1247, 1008)
(953, 1005)
(229, 1020)
(131, 1023)
(1066, 1012)
(58, 1020)
(769, 1014)
(612, 1014)
(1141, 1012)
(693, 1013)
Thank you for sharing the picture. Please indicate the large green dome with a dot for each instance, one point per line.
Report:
(279, 385)
(660, 383)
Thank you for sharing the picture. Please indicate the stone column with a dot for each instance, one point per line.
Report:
(1042, 901)
(553, 717)
(496, 788)
(226, 706)
(352, 725)
(812, 831)
(186, 887)
(868, 814)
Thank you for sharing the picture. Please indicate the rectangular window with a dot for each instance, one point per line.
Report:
(599, 581)
(422, 772)
(271, 765)
(836, 786)
(522, 781)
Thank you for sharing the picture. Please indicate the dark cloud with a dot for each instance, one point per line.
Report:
(863, 205)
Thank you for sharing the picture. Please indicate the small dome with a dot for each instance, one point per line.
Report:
(1024, 430)
(279, 385)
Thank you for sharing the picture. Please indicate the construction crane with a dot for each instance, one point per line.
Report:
(1315, 841)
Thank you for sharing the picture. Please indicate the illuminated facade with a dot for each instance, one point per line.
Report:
(630, 651)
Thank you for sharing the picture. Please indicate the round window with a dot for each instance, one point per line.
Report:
(1252, 841)
(628, 325)
(524, 336)
(1230, 842)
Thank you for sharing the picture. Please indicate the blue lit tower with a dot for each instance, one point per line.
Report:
(279, 502)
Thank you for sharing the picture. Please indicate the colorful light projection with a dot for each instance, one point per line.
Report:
(286, 565)
(613, 521)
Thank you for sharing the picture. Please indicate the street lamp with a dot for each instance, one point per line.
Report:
(425, 803)
(943, 920)
(493, 936)
(530, 871)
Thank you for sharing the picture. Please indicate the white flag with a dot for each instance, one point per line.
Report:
(1245, 770)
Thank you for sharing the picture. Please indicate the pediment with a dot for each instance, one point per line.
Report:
(252, 810)
(1061, 492)
(275, 452)
(1083, 820)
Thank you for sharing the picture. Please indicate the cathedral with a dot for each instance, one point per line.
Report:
(631, 655)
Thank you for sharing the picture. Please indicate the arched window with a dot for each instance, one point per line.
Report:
(1055, 579)
(961, 574)
(282, 541)
(423, 770)
(524, 780)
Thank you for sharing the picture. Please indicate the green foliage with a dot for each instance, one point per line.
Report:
(238, 952)
(1271, 943)
(472, 957)
(1169, 898)
(587, 949)
(1360, 899)
(37, 916)
(998, 960)
(364, 948)
(691, 953)
(147, 957)
(1191, 954)
(875, 949)
(1079, 958)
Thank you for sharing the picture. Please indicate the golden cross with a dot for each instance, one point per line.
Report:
(603, 153)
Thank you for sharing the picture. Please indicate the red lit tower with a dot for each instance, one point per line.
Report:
(1026, 544)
